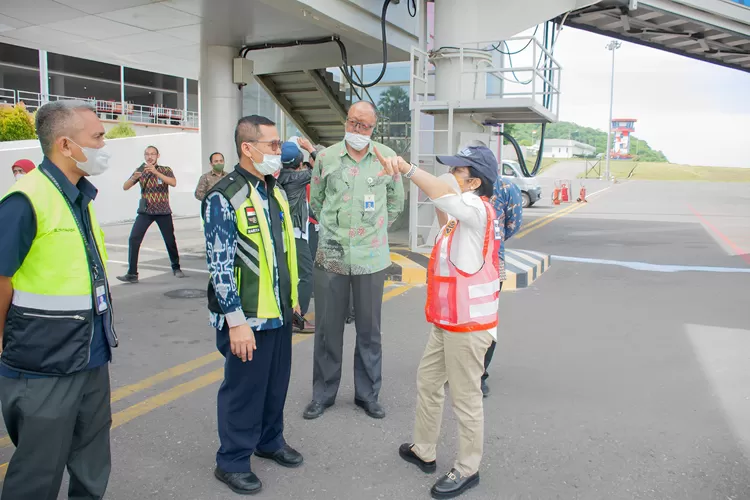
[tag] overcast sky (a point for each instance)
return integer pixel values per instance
(695, 112)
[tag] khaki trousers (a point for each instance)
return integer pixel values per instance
(456, 358)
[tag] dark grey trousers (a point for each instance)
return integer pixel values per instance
(57, 422)
(331, 308)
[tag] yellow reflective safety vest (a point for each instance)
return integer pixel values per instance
(50, 322)
(255, 268)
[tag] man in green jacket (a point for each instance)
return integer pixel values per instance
(355, 207)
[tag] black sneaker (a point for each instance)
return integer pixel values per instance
(178, 274)
(128, 278)
(485, 388)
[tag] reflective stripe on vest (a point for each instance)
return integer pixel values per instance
(458, 301)
(255, 253)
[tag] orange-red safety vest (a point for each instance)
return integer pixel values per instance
(461, 302)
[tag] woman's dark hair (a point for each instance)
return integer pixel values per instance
(487, 188)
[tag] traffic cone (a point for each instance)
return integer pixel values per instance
(564, 193)
(582, 195)
(556, 196)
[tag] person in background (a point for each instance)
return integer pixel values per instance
(462, 305)
(294, 179)
(56, 322)
(355, 206)
(252, 295)
(508, 205)
(21, 168)
(210, 178)
(155, 181)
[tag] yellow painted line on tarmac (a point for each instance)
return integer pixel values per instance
(411, 272)
(543, 221)
(149, 382)
(176, 392)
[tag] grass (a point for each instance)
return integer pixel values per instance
(673, 172)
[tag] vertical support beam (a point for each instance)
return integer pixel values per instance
(220, 102)
(43, 78)
(423, 34)
(184, 96)
(124, 109)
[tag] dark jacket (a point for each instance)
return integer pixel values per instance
(294, 183)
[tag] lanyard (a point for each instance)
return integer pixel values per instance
(89, 253)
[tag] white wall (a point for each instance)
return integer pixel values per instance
(180, 151)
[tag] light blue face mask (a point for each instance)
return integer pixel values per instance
(97, 160)
(270, 164)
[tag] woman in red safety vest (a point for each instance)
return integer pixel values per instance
(463, 288)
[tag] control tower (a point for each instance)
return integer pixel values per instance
(621, 130)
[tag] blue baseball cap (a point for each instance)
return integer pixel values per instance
(478, 157)
(291, 156)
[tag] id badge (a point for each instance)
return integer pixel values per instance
(498, 230)
(159, 181)
(369, 202)
(100, 296)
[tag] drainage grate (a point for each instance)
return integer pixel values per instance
(186, 293)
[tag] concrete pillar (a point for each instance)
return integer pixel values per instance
(220, 103)
(57, 85)
(122, 92)
(43, 77)
(158, 96)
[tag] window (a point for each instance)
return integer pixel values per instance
(508, 171)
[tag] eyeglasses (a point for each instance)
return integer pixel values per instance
(275, 144)
(359, 125)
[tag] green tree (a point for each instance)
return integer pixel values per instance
(16, 124)
(122, 129)
(393, 105)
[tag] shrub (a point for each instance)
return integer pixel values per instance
(122, 129)
(16, 124)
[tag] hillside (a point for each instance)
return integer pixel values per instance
(522, 132)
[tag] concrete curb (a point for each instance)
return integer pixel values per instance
(522, 267)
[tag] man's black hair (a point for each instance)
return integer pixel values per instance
(211, 156)
(248, 130)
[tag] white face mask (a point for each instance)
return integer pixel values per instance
(357, 142)
(270, 164)
(18, 176)
(97, 160)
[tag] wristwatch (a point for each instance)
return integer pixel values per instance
(411, 171)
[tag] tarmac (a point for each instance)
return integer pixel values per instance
(610, 381)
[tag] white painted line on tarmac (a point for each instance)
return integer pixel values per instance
(723, 356)
(644, 266)
(156, 250)
(157, 266)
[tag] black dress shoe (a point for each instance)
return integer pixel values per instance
(405, 452)
(285, 456)
(485, 389)
(372, 408)
(314, 410)
(242, 483)
(452, 484)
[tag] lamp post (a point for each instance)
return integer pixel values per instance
(613, 46)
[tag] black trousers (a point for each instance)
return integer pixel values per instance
(305, 271)
(490, 352)
(331, 308)
(58, 422)
(140, 226)
(251, 398)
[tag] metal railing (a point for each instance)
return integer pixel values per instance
(107, 109)
(538, 80)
